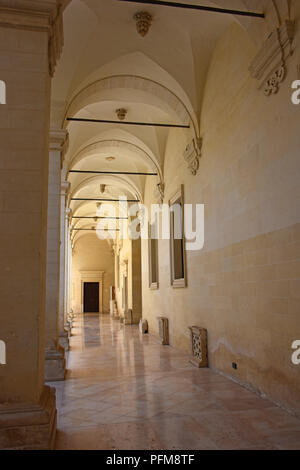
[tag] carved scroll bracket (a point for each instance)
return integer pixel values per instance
(269, 65)
(192, 155)
(159, 193)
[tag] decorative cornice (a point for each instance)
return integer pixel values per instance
(36, 15)
(269, 65)
(58, 139)
(192, 155)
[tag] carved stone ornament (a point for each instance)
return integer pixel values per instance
(272, 84)
(143, 326)
(143, 22)
(192, 155)
(163, 328)
(199, 346)
(269, 65)
(159, 193)
(121, 113)
(141, 216)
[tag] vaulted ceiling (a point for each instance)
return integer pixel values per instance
(159, 78)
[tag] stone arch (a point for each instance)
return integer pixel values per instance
(116, 180)
(83, 204)
(146, 156)
(150, 90)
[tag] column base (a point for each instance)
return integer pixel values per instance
(64, 340)
(55, 365)
(29, 426)
(69, 324)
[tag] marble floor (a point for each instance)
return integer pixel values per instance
(125, 391)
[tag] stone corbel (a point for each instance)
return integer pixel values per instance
(159, 193)
(64, 188)
(269, 65)
(192, 155)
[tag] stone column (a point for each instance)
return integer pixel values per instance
(136, 281)
(67, 270)
(30, 39)
(63, 333)
(69, 314)
(55, 354)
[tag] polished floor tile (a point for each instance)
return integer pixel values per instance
(126, 391)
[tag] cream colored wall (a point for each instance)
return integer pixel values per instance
(91, 254)
(244, 285)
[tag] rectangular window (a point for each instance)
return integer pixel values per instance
(153, 255)
(177, 242)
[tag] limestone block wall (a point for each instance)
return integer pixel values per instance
(243, 287)
(24, 130)
(91, 254)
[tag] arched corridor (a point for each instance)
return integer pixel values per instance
(150, 224)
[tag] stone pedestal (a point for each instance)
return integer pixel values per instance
(143, 326)
(163, 328)
(64, 340)
(55, 365)
(199, 346)
(29, 426)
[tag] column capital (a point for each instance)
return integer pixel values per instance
(59, 141)
(68, 214)
(64, 187)
(37, 15)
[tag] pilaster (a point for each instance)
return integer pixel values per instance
(55, 353)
